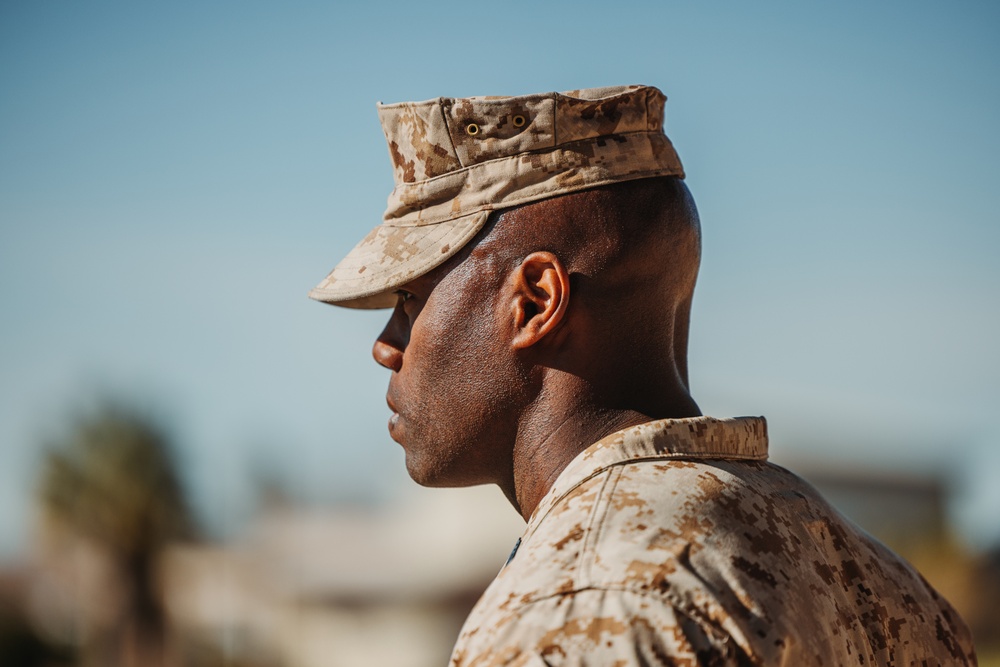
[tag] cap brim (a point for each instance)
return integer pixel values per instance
(391, 256)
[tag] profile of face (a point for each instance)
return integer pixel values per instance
(455, 380)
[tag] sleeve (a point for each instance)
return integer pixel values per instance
(591, 628)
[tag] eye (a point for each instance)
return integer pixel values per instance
(403, 295)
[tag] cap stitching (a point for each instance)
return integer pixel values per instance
(555, 120)
(544, 149)
(447, 126)
(495, 206)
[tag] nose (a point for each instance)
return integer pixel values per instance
(390, 344)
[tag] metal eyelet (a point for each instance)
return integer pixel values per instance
(519, 121)
(472, 129)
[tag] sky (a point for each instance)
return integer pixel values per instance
(175, 177)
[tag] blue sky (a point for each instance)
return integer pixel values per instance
(174, 178)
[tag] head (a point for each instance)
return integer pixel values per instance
(582, 298)
(539, 254)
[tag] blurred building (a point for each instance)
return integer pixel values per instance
(345, 587)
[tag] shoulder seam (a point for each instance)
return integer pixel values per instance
(592, 533)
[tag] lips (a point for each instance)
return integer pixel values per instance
(393, 418)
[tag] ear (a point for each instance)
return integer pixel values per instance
(540, 296)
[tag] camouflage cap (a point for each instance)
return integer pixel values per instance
(456, 160)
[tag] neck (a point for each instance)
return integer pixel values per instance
(563, 422)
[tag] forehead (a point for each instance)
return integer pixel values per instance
(471, 268)
(452, 277)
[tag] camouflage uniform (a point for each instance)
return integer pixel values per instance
(676, 543)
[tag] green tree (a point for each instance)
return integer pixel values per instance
(111, 482)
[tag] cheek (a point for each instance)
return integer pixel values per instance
(469, 374)
(466, 390)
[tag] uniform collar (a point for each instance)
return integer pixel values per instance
(742, 438)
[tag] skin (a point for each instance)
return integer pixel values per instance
(563, 322)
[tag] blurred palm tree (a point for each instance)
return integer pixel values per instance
(111, 483)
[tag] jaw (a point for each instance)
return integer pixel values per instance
(431, 475)
(437, 461)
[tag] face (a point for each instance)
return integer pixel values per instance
(455, 385)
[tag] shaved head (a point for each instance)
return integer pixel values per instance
(632, 251)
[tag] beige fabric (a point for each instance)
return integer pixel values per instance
(676, 543)
(456, 160)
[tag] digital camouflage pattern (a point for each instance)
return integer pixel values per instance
(676, 543)
(456, 160)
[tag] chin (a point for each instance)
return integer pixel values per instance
(428, 478)
(436, 476)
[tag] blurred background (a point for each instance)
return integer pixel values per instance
(194, 462)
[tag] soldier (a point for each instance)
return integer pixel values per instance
(540, 255)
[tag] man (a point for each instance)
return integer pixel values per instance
(540, 254)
